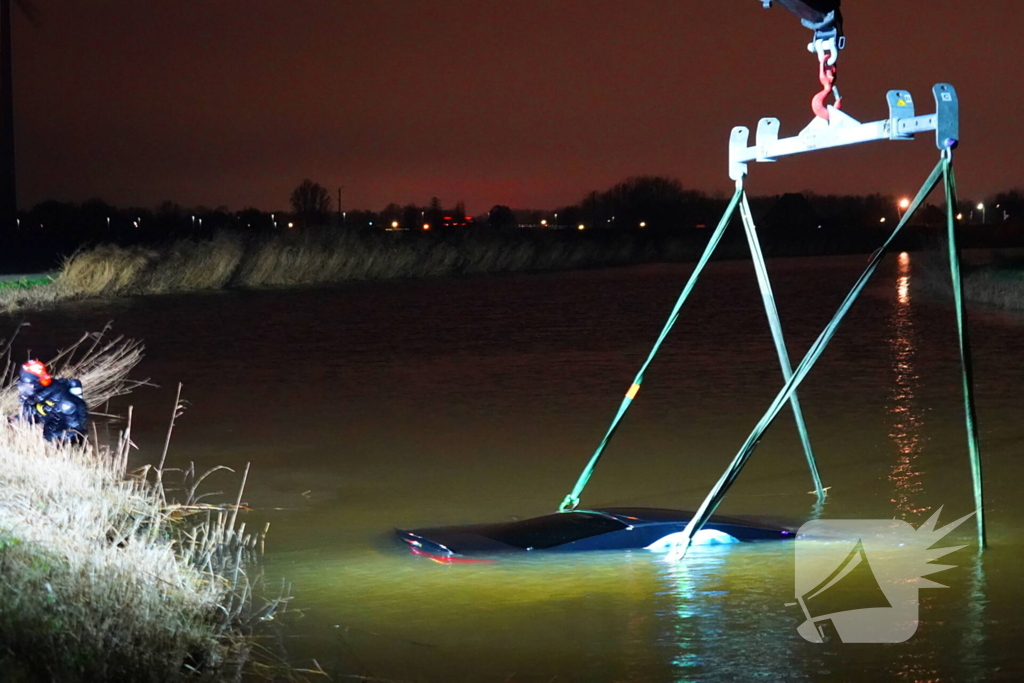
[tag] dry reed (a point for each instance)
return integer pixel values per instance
(314, 257)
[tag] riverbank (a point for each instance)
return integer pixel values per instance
(102, 577)
(991, 278)
(997, 285)
(235, 260)
(317, 256)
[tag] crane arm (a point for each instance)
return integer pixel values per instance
(821, 16)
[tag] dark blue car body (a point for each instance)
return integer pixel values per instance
(576, 531)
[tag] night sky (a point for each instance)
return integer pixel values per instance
(527, 103)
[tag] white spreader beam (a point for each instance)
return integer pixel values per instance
(841, 129)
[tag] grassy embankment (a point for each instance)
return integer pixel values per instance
(230, 260)
(993, 281)
(998, 285)
(102, 577)
(317, 256)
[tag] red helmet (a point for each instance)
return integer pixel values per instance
(35, 371)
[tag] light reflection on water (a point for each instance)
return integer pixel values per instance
(462, 400)
(907, 431)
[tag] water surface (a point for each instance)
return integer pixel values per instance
(369, 406)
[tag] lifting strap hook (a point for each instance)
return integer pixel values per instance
(569, 503)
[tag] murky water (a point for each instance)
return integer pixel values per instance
(369, 406)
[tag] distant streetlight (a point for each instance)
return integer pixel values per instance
(959, 216)
(108, 221)
(291, 225)
(903, 206)
(581, 226)
(981, 207)
(882, 219)
(426, 226)
(394, 225)
(544, 222)
(643, 224)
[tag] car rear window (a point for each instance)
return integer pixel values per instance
(552, 530)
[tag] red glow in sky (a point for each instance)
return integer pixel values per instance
(529, 103)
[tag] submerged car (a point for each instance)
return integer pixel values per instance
(581, 530)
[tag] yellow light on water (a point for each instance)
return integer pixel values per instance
(903, 282)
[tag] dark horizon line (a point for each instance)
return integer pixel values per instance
(222, 208)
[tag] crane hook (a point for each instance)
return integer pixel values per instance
(827, 77)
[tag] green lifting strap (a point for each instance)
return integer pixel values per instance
(967, 369)
(780, 343)
(739, 199)
(717, 493)
(573, 499)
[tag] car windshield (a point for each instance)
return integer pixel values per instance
(553, 530)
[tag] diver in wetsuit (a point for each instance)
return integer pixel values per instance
(57, 403)
(68, 417)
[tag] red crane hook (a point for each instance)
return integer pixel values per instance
(827, 76)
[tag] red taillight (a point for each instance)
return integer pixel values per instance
(446, 559)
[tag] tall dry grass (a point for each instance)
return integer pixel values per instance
(322, 256)
(103, 579)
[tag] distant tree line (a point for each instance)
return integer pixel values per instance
(653, 204)
(662, 204)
